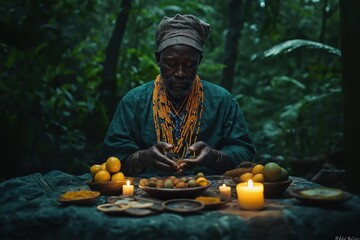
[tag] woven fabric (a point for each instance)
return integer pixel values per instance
(181, 29)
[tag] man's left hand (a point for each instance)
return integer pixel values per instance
(206, 156)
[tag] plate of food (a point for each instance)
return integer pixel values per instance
(80, 198)
(320, 196)
(212, 202)
(184, 187)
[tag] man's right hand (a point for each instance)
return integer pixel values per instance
(153, 157)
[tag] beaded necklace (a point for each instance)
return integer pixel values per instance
(179, 128)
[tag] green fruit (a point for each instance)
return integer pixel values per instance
(191, 183)
(200, 174)
(284, 175)
(168, 183)
(272, 172)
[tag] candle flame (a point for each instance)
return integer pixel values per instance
(250, 183)
(224, 185)
(128, 183)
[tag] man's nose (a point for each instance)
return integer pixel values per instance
(180, 73)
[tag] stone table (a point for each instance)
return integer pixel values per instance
(29, 210)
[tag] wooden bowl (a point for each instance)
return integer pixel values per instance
(109, 187)
(271, 189)
(172, 193)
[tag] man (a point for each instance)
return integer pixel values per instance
(179, 123)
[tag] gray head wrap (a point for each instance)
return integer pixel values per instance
(181, 29)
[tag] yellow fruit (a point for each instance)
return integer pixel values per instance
(258, 178)
(102, 176)
(272, 172)
(257, 169)
(94, 169)
(103, 166)
(113, 164)
(201, 181)
(246, 176)
(118, 176)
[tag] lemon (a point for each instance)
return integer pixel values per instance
(102, 176)
(272, 172)
(257, 169)
(201, 181)
(103, 166)
(258, 178)
(94, 169)
(117, 176)
(246, 176)
(113, 164)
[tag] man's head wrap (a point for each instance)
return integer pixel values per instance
(181, 29)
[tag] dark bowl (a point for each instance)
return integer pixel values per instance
(109, 187)
(171, 193)
(271, 189)
(275, 189)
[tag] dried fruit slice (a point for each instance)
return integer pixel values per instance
(323, 193)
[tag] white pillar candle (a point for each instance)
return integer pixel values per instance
(128, 190)
(225, 192)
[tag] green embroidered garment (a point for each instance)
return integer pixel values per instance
(222, 126)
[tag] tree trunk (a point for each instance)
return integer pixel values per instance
(236, 23)
(108, 85)
(350, 47)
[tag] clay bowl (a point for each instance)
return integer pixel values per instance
(109, 187)
(172, 193)
(271, 189)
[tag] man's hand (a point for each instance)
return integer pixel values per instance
(153, 157)
(206, 156)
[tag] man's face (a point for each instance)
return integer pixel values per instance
(178, 67)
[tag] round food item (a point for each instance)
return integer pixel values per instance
(117, 176)
(323, 193)
(94, 169)
(102, 176)
(272, 172)
(113, 165)
(201, 181)
(168, 183)
(258, 178)
(143, 182)
(180, 185)
(257, 169)
(103, 166)
(208, 200)
(191, 183)
(246, 177)
(284, 175)
(200, 174)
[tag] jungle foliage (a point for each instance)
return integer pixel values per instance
(286, 74)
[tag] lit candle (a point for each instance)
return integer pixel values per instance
(250, 195)
(225, 192)
(128, 190)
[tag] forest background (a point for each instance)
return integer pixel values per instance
(65, 65)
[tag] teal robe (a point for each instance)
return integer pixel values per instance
(222, 127)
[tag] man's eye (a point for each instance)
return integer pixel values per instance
(190, 65)
(170, 64)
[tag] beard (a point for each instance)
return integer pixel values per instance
(177, 89)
